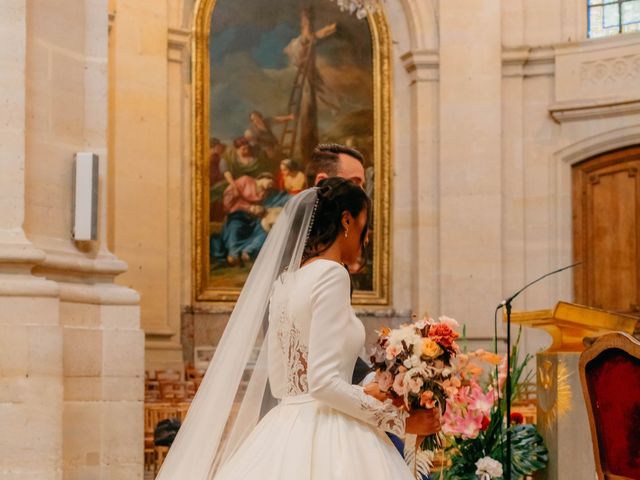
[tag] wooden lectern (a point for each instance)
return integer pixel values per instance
(561, 412)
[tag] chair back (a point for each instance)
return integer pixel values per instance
(610, 376)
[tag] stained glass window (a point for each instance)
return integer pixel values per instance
(610, 17)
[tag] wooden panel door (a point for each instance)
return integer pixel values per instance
(606, 226)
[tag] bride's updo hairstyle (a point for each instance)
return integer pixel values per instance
(335, 196)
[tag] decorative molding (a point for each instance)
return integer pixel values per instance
(597, 44)
(569, 111)
(528, 61)
(98, 294)
(179, 41)
(604, 72)
(597, 145)
(424, 64)
(112, 19)
(610, 71)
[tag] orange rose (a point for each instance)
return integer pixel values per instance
(431, 349)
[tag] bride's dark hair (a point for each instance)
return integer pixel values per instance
(335, 196)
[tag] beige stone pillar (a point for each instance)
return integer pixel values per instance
(147, 180)
(421, 215)
(470, 161)
(93, 340)
(30, 335)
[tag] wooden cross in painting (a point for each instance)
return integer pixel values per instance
(308, 86)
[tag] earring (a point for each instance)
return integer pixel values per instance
(346, 233)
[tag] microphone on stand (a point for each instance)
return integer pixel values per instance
(506, 303)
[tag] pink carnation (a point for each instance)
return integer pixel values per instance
(398, 384)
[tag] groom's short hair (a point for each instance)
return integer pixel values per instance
(325, 158)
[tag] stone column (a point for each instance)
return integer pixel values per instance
(146, 193)
(470, 161)
(30, 334)
(421, 216)
(102, 344)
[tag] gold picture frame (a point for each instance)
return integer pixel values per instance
(206, 296)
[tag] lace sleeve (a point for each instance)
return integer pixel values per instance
(330, 322)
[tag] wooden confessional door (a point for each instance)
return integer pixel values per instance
(606, 226)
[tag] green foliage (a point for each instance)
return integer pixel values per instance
(528, 452)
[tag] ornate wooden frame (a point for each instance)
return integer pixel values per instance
(202, 293)
(618, 340)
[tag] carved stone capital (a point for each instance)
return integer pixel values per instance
(179, 41)
(424, 65)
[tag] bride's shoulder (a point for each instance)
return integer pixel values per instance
(323, 274)
(323, 266)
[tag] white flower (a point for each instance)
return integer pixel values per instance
(407, 334)
(415, 360)
(421, 323)
(487, 467)
(451, 322)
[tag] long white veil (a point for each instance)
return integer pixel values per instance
(234, 393)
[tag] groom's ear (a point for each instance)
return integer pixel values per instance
(319, 177)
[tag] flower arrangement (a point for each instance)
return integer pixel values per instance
(420, 365)
(474, 421)
(413, 366)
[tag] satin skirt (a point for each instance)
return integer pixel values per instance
(303, 439)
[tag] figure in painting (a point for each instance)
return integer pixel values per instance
(261, 134)
(243, 160)
(239, 161)
(302, 54)
(242, 235)
(291, 179)
(216, 151)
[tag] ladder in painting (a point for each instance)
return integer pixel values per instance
(290, 126)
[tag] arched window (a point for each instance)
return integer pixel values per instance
(610, 17)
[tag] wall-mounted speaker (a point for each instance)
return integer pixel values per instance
(85, 202)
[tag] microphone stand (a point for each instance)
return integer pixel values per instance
(507, 306)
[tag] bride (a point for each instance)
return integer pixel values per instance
(276, 402)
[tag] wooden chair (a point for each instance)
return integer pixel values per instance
(173, 391)
(610, 376)
(151, 391)
(154, 413)
(168, 376)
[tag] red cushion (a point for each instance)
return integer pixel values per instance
(614, 386)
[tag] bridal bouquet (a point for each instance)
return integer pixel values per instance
(413, 366)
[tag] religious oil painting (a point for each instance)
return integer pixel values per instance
(273, 80)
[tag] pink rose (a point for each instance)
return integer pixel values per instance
(398, 384)
(393, 351)
(415, 384)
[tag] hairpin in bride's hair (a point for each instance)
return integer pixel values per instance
(313, 215)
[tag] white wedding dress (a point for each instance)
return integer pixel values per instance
(324, 428)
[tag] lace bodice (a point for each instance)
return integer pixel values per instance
(314, 340)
